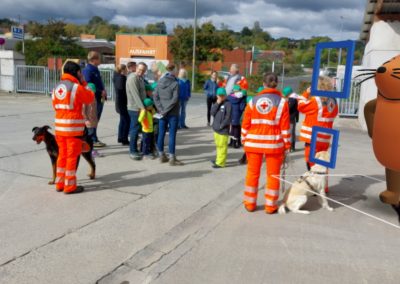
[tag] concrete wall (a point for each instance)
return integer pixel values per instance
(8, 60)
(384, 43)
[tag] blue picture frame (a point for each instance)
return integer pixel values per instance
(334, 147)
(349, 45)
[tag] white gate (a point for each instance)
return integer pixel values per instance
(31, 79)
(39, 79)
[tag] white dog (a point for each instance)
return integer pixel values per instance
(314, 180)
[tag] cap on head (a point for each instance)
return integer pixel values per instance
(287, 91)
(92, 87)
(148, 87)
(148, 102)
(260, 89)
(236, 88)
(221, 92)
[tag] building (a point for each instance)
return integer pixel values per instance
(381, 32)
(105, 48)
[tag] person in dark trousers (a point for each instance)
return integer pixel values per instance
(166, 100)
(184, 96)
(136, 93)
(221, 111)
(294, 115)
(210, 90)
(238, 101)
(91, 74)
(121, 103)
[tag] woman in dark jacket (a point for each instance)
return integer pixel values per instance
(121, 103)
(210, 90)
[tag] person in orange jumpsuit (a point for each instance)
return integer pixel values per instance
(68, 97)
(319, 111)
(265, 132)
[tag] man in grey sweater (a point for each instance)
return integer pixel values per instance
(136, 93)
(166, 100)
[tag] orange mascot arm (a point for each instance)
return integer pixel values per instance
(369, 113)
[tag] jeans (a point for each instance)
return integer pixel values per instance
(147, 143)
(172, 122)
(133, 131)
(92, 132)
(182, 113)
(124, 123)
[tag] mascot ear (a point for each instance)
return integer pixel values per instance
(33, 129)
(46, 127)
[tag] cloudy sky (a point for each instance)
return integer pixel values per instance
(282, 18)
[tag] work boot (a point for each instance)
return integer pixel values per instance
(231, 142)
(236, 144)
(250, 207)
(78, 189)
(243, 160)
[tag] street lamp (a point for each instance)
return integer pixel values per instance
(194, 44)
(340, 38)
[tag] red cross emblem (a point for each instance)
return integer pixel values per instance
(61, 92)
(264, 105)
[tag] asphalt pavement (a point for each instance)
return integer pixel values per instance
(146, 222)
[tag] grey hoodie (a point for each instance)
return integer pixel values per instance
(166, 95)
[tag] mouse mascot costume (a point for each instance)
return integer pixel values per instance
(381, 115)
(68, 97)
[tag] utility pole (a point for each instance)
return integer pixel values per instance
(194, 44)
(340, 38)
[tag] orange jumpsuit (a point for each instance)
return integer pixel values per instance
(68, 97)
(265, 132)
(318, 113)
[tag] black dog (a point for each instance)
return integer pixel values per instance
(41, 134)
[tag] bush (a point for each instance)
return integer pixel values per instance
(255, 81)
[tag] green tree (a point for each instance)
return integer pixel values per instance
(53, 41)
(73, 30)
(157, 28)
(209, 43)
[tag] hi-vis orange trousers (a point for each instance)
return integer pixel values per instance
(254, 163)
(69, 149)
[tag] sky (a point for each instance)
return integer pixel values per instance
(338, 19)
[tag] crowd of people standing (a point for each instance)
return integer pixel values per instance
(264, 123)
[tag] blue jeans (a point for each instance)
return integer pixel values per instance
(133, 131)
(92, 132)
(182, 113)
(172, 122)
(123, 127)
(147, 143)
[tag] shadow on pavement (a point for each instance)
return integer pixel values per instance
(117, 180)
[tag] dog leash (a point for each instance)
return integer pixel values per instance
(345, 205)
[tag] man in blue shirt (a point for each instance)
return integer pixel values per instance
(92, 75)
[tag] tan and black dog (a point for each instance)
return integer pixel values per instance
(41, 134)
(382, 115)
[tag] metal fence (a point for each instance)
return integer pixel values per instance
(349, 107)
(41, 80)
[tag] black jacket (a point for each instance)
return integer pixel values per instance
(166, 95)
(121, 100)
(222, 114)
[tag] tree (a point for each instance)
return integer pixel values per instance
(73, 30)
(209, 43)
(246, 32)
(157, 28)
(53, 41)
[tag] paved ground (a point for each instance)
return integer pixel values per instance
(144, 222)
